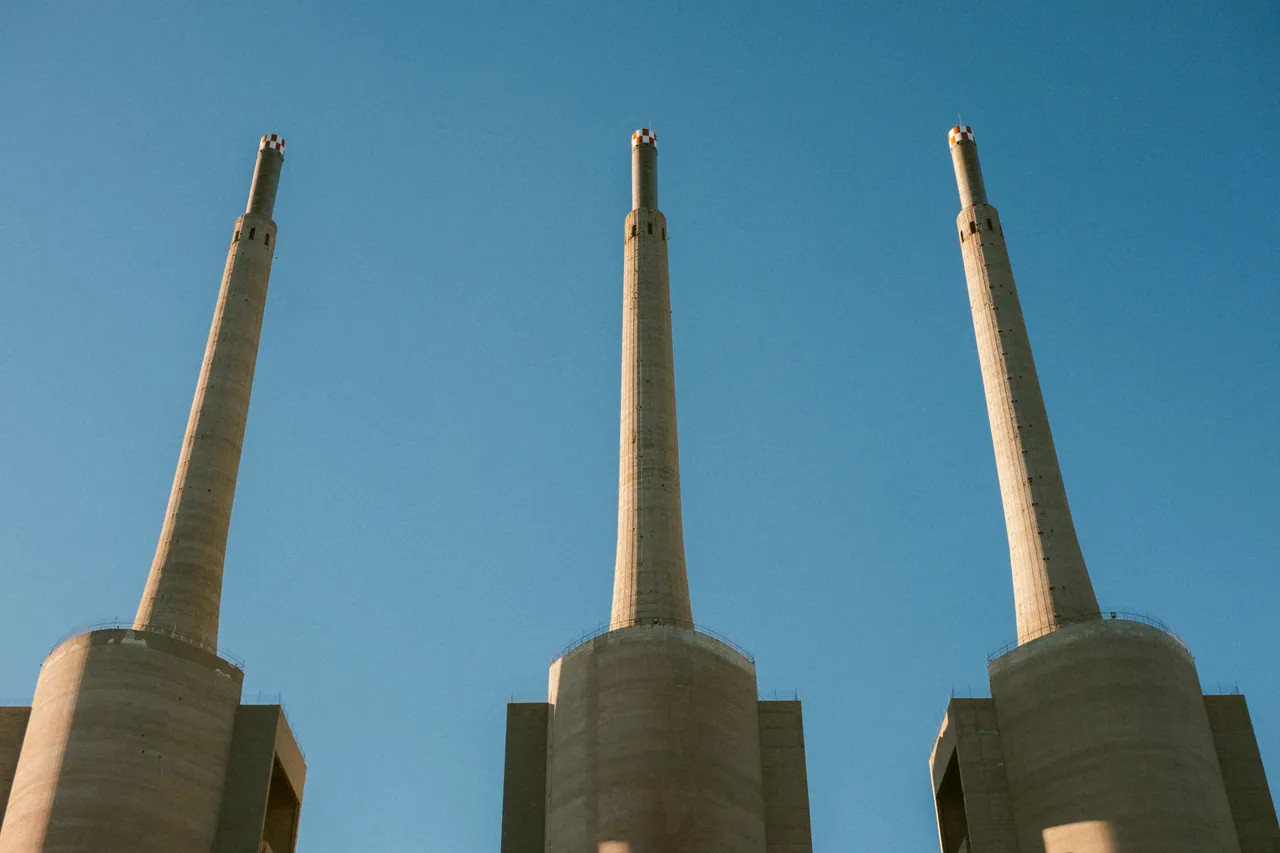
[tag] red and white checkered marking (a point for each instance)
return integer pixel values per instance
(960, 131)
(274, 141)
(644, 136)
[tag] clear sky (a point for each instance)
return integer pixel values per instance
(426, 507)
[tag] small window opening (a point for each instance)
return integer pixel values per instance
(236, 239)
(664, 233)
(650, 227)
(961, 236)
(973, 229)
(252, 231)
(266, 239)
(989, 228)
(633, 230)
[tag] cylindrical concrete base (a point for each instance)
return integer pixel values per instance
(126, 748)
(1107, 745)
(654, 746)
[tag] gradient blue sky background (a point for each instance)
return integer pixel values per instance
(427, 499)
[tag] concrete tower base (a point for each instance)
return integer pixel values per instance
(126, 748)
(1097, 739)
(654, 741)
(129, 744)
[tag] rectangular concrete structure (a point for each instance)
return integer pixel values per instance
(524, 778)
(785, 778)
(266, 775)
(970, 790)
(1252, 807)
(13, 725)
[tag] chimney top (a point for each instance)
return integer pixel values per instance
(273, 141)
(644, 136)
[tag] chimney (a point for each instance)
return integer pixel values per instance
(650, 585)
(1051, 585)
(184, 589)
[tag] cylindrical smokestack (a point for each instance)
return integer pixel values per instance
(184, 589)
(650, 585)
(266, 176)
(644, 169)
(1051, 586)
(964, 157)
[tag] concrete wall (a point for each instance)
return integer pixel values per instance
(13, 725)
(1243, 775)
(1107, 744)
(654, 746)
(971, 794)
(785, 778)
(266, 777)
(524, 778)
(126, 748)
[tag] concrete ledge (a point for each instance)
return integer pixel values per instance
(158, 642)
(1085, 632)
(673, 634)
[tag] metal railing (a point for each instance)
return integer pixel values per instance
(1105, 615)
(123, 625)
(645, 623)
(267, 697)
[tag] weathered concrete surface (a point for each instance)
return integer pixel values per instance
(1105, 721)
(524, 778)
(184, 590)
(1050, 582)
(13, 725)
(785, 778)
(971, 794)
(265, 781)
(655, 745)
(1243, 775)
(650, 581)
(126, 748)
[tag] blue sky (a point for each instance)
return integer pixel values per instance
(426, 504)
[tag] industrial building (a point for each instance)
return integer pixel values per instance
(653, 738)
(1096, 737)
(136, 739)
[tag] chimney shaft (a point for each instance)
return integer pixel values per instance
(266, 176)
(184, 589)
(650, 583)
(964, 159)
(1051, 584)
(644, 169)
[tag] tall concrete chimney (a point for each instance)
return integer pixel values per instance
(1051, 585)
(1096, 737)
(184, 589)
(136, 738)
(653, 738)
(650, 584)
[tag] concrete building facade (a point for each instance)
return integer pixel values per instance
(653, 738)
(1097, 737)
(136, 738)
